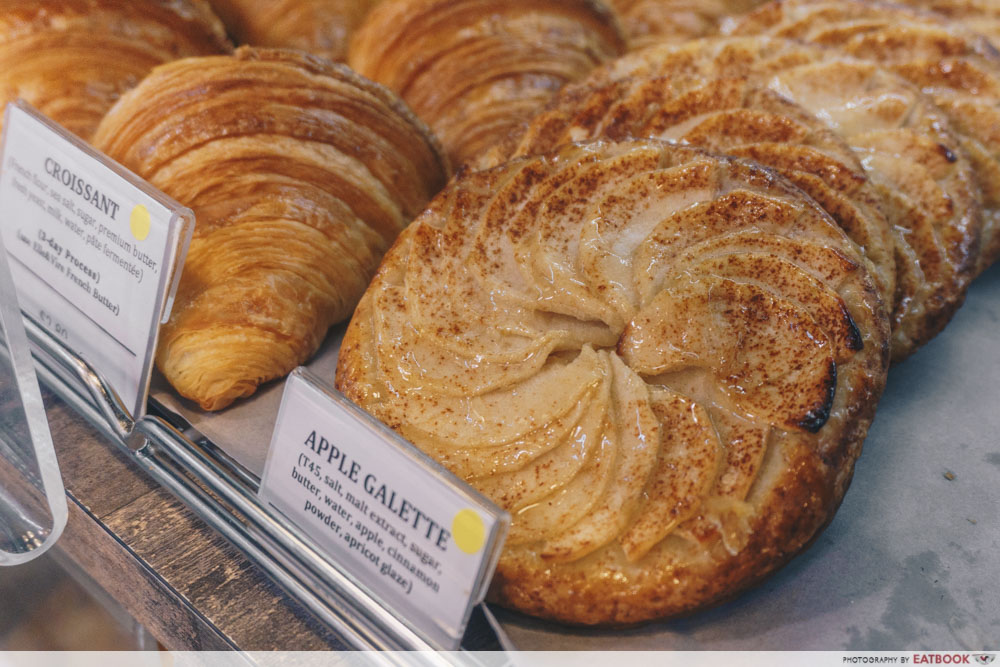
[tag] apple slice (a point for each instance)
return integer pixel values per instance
(510, 217)
(418, 363)
(639, 439)
(825, 263)
(477, 462)
(571, 503)
(736, 127)
(549, 255)
(501, 416)
(621, 222)
(769, 355)
(848, 195)
(791, 283)
(739, 210)
(517, 489)
(916, 165)
(745, 443)
(685, 472)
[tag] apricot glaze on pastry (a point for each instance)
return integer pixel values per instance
(320, 27)
(957, 68)
(473, 69)
(300, 173)
(661, 362)
(728, 116)
(902, 139)
(72, 59)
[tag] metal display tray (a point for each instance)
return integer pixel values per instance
(911, 561)
(224, 494)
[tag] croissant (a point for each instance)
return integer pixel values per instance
(661, 362)
(926, 184)
(72, 59)
(958, 69)
(474, 69)
(648, 22)
(321, 27)
(300, 174)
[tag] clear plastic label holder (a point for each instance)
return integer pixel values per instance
(94, 250)
(214, 487)
(384, 506)
(32, 498)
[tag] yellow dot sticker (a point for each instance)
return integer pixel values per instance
(468, 531)
(138, 222)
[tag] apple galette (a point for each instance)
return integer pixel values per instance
(661, 362)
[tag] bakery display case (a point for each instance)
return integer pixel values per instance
(580, 331)
(906, 563)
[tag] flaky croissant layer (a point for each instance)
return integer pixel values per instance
(72, 59)
(300, 174)
(474, 69)
(320, 27)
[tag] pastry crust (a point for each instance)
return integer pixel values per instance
(72, 59)
(925, 180)
(474, 69)
(320, 27)
(300, 174)
(662, 362)
(957, 68)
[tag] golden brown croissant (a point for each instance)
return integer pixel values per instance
(661, 362)
(321, 27)
(474, 69)
(957, 68)
(649, 22)
(926, 183)
(72, 59)
(300, 174)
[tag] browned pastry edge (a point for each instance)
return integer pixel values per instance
(605, 603)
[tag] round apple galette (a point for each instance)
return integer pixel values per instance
(661, 362)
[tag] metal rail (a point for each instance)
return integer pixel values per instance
(225, 499)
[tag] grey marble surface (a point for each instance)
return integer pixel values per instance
(912, 559)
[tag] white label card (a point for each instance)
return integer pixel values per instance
(95, 251)
(418, 538)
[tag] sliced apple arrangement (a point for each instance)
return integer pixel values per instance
(956, 67)
(872, 149)
(660, 361)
